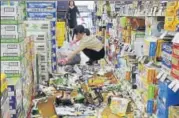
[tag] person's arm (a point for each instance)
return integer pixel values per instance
(77, 11)
(79, 49)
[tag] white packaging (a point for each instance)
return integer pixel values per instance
(42, 58)
(5, 109)
(12, 13)
(40, 48)
(43, 77)
(12, 49)
(40, 37)
(12, 38)
(39, 26)
(15, 93)
(43, 68)
(12, 67)
(9, 10)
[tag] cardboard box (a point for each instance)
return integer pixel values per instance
(173, 112)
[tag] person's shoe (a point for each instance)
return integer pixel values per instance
(90, 62)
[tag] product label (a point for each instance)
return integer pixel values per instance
(41, 4)
(167, 47)
(41, 16)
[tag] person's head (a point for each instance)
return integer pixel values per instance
(80, 31)
(71, 3)
(87, 31)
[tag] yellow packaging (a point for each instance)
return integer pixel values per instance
(176, 23)
(170, 23)
(3, 82)
(172, 5)
(60, 24)
(171, 9)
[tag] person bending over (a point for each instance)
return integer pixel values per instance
(90, 45)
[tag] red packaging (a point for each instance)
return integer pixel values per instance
(175, 62)
(176, 49)
(175, 73)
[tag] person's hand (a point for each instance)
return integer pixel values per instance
(63, 61)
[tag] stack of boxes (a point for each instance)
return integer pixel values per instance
(45, 11)
(166, 57)
(171, 16)
(12, 52)
(175, 61)
(40, 31)
(5, 113)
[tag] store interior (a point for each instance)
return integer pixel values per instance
(89, 59)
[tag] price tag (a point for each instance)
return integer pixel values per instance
(163, 77)
(176, 87)
(140, 59)
(160, 75)
(163, 35)
(172, 84)
(176, 38)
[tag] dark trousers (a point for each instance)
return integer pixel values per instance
(94, 55)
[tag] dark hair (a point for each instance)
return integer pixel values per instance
(87, 31)
(71, 1)
(80, 29)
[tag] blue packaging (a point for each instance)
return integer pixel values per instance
(41, 5)
(54, 59)
(166, 62)
(53, 24)
(53, 42)
(167, 96)
(53, 50)
(150, 106)
(53, 33)
(152, 50)
(9, 3)
(41, 16)
(167, 47)
(162, 111)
